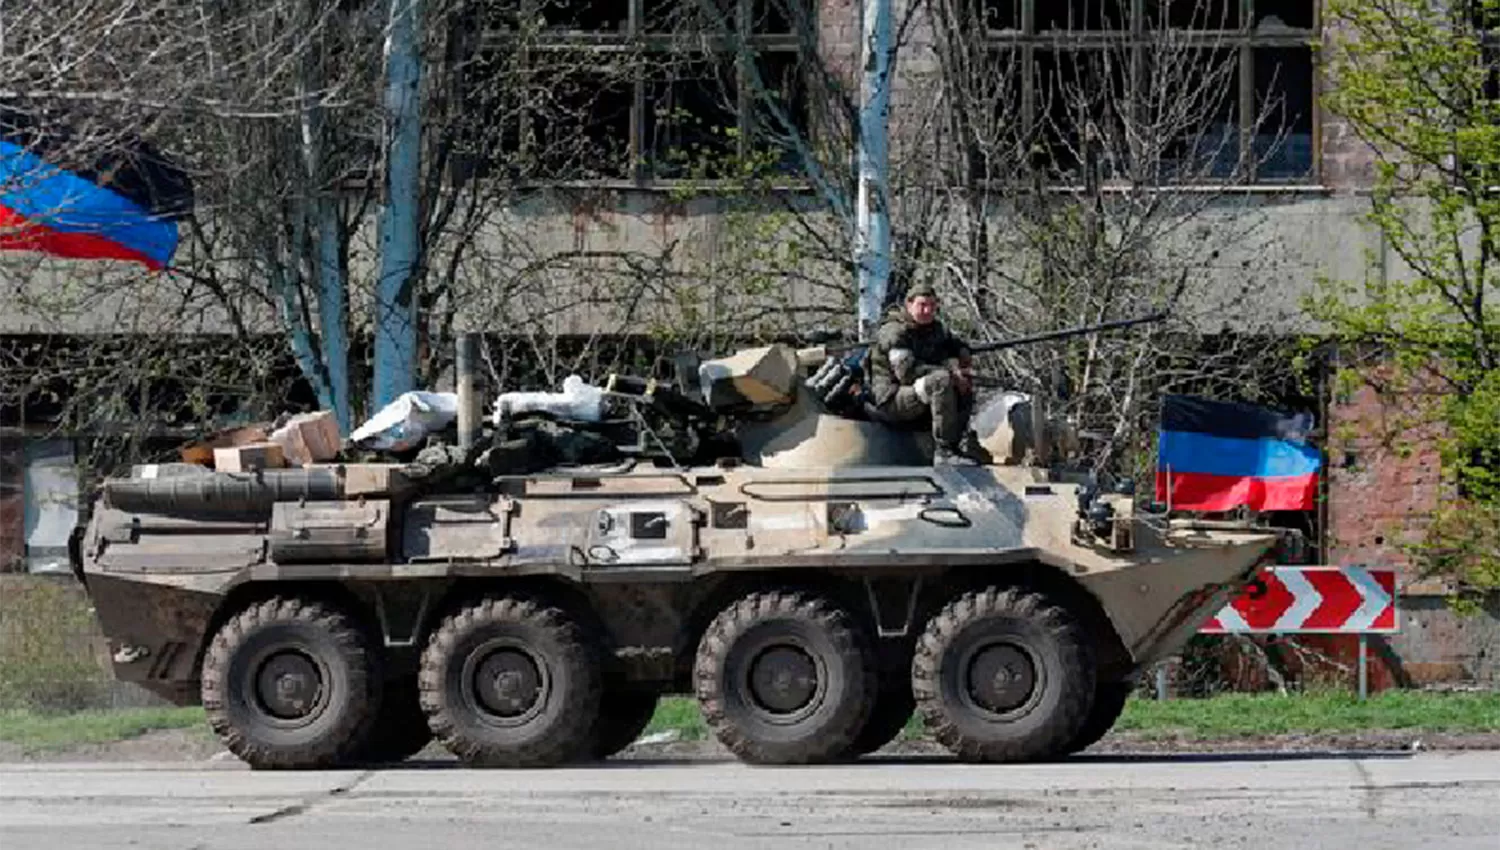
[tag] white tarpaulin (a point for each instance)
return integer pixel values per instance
(51, 488)
(405, 423)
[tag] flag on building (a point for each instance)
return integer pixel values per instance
(1218, 455)
(70, 198)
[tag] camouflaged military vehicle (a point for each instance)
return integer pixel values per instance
(526, 600)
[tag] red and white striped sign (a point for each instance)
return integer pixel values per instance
(1312, 600)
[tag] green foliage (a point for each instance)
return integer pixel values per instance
(35, 733)
(1410, 78)
(680, 715)
(1230, 714)
(1271, 714)
(47, 654)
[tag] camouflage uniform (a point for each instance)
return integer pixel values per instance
(909, 377)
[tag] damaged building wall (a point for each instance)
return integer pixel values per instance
(630, 252)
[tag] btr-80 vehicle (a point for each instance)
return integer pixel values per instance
(527, 595)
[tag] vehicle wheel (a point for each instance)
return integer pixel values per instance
(1109, 702)
(785, 678)
(289, 683)
(401, 729)
(624, 714)
(511, 682)
(1003, 676)
(893, 709)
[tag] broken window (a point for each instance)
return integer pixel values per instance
(1001, 15)
(1106, 15)
(991, 129)
(773, 17)
(691, 122)
(767, 17)
(1484, 16)
(662, 99)
(578, 128)
(1279, 15)
(1079, 98)
(1201, 15)
(595, 16)
(50, 490)
(1283, 93)
(1162, 97)
(777, 95)
(684, 16)
(1195, 114)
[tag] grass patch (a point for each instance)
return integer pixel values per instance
(680, 715)
(1271, 714)
(1232, 714)
(50, 647)
(34, 732)
(1215, 717)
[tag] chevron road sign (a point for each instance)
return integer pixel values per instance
(1312, 600)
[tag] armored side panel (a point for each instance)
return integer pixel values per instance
(641, 530)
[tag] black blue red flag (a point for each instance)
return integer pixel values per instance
(1219, 455)
(121, 202)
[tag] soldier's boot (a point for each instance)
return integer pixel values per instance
(970, 447)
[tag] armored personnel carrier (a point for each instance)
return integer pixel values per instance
(808, 576)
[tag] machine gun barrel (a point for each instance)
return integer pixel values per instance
(980, 348)
(817, 355)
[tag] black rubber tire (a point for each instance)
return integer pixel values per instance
(893, 710)
(401, 729)
(624, 714)
(335, 650)
(1060, 694)
(557, 728)
(1109, 703)
(825, 727)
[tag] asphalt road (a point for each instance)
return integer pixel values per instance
(1443, 800)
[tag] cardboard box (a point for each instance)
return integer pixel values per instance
(368, 479)
(202, 452)
(249, 458)
(309, 438)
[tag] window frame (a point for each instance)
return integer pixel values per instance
(1244, 39)
(642, 168)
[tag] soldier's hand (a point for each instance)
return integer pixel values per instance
(963, 378)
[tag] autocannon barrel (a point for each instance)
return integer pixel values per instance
(980, 348)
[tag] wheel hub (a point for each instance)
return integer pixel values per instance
(1001, 678)
(783, 679)
(288, 685)
(508, 682)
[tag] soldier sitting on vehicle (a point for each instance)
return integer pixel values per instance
(918, 367)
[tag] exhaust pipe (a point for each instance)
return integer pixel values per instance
(468, 412)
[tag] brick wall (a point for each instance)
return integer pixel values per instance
(1383, 480)
(1381, 495)
(1348, 162)
(838, 39)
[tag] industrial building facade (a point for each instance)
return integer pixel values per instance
(1308, 189)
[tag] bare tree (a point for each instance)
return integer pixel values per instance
(275, 112)
(1080, 173)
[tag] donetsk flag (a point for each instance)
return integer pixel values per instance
(121, 204)
(1221, 455)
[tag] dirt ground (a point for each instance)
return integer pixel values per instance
(190, 745)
